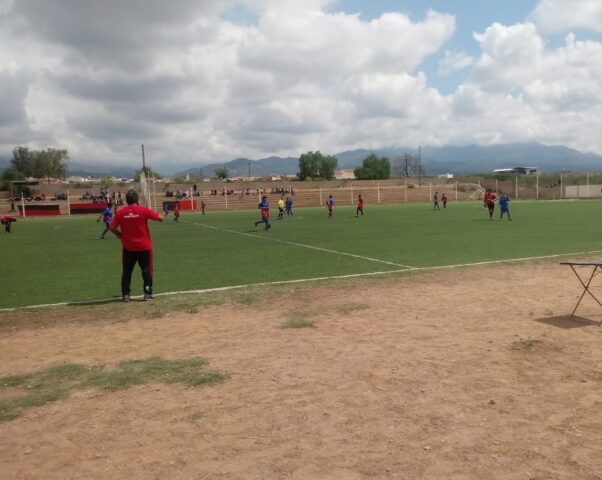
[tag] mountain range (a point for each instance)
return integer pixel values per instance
(459, 160)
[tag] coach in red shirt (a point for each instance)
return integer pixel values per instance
(137, 246)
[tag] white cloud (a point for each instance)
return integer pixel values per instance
(553, 16)
(454, 61)
(194, 87)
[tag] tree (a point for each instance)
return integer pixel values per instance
(374, 168)
(222, 172)
(22, 160)
(148, 172)
(407, 166)
(314, 164)
(51, 162)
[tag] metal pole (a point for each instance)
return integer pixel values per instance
(320, 196)
(68, 204)
(496, 191)
(23, 205)
(430, 191)
(249, 169)
(406, 190)
(419, 165)
(561, 195)
(516, 183)
(537, 187)
(587, 182)
(351, 190)
(456, 191)
(378, 188)
(143, 160)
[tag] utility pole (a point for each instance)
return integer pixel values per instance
(143, 161)
(201, 172)
(419, 165)
(249, 169)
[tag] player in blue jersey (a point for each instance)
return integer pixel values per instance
(330, 207)
(504, 206)
(289, 207)
(264, 206)
(107, 218)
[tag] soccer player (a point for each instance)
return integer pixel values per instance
(436, 201)
(489, 202)
(203, 206)
(130, 224)
(330, 206)
(444, 200)
(107, 218)
(166, 208)
(504, 206)
(264, 206)
(281, 205)
(289, 207)
(360, 206)
(176, 212)
(7, 221)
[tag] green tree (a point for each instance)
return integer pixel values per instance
(314, 164)
(374, 168)
(10, 174)
(22, 161)
(51, 162)
(222, 172)
(148, 172)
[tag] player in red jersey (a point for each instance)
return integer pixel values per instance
(7, 221)
(203, 207)
(130, 224)
(489, 202)
(176, 212)
(444, 200)
(360, 206)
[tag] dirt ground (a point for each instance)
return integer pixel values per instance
(461, 374)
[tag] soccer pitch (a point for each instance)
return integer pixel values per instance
(63, 260)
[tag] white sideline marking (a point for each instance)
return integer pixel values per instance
(301, 280)
(302, 245)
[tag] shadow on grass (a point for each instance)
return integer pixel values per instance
(566, 322)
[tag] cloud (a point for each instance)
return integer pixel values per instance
(556, 16)
(196, 86)
(454, 61)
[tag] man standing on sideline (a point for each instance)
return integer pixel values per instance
(289, 207)
(136, 242)
(436, 201)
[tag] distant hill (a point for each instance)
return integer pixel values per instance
(98, 171)
(459, 160)
(240, 167)
(482, 159)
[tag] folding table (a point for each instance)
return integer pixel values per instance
(596, 266)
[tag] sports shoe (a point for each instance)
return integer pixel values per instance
(148, 296)
(125, 298)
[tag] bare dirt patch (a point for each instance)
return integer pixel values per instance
(463, 374)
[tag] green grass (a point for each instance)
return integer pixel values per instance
(55, 383)
(299, 319)
(63, 260)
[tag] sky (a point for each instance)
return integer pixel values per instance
(208, 81)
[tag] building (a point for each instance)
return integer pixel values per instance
(344, 174)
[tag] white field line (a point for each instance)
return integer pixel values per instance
(304, 280)
(302, 245)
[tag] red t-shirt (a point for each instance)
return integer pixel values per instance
(133, 220)
(489, 198)
(360, 203)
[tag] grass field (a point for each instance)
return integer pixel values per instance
(63, 260)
